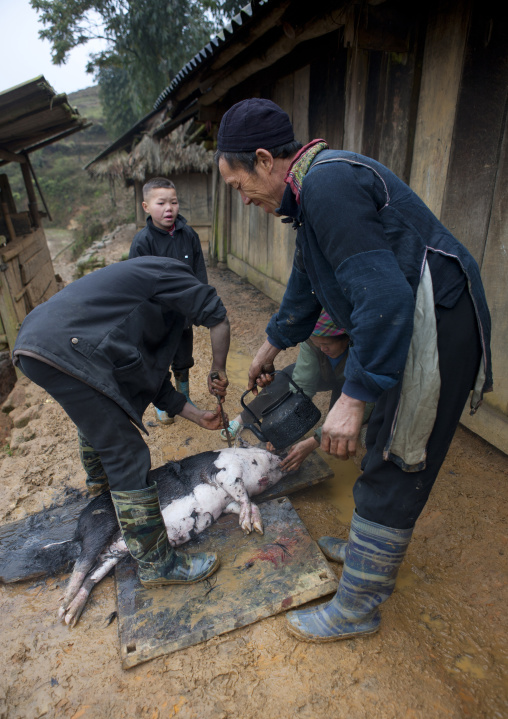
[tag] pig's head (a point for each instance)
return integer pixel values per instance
(259, 468)
(265, 468)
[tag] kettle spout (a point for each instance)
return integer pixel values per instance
(256, 431)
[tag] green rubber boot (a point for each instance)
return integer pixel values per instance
(96, 478)
(144, 532)
(374, 554)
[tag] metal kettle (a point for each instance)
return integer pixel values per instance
(286, 420)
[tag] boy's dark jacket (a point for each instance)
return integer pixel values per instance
(117, 330)
(184, 245)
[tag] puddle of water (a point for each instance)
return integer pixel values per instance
(457, 647)
(406, 578)
(468, 665)
(238, 366)
(338, 490)
(435, 623)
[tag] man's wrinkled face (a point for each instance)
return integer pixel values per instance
(262, 187)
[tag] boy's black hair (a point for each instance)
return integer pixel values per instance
(155, 183)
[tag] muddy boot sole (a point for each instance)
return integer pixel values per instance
(324, 640)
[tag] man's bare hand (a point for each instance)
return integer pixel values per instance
(208, 419)
(342, 427)
(218, 385)
(298, 453)
(261, 369)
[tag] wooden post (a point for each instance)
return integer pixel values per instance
(140, 214)
(8, 315)
(8, 222)
(33, 207)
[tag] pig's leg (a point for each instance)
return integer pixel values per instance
(82, 567)
(71, 610)
(98, 533)
(257, 522)
(229, 477)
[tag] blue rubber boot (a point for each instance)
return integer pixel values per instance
(333, 548)
(183, 387)
(233, 428)
(374, 554)
(163, 417)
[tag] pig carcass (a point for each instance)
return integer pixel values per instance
(193, 493)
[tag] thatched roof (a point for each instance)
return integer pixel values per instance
(168, 156)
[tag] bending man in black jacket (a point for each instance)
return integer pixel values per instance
(101, 348)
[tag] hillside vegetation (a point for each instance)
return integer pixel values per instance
(77, 203)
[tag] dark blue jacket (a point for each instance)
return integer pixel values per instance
(363, 237)
(117, 329)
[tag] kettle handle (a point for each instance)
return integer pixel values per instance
(277, 371)
(298, 389)
(256, 419)
(246, 406)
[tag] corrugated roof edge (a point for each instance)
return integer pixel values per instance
(210, 49)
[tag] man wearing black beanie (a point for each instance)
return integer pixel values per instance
(409, 295)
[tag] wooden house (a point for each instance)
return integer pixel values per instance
(32, 116)
(150, 150)
(420, 86)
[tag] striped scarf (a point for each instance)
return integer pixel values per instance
(300, 165)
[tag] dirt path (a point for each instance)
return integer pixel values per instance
(441, 650)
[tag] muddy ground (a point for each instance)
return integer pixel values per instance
(441, 651)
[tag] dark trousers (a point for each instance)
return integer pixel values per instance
(183, 359)
(384, 493)
(107, 428)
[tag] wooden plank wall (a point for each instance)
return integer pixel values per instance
(27, 279)
(434, 113)
(194, 190)
(474, 202)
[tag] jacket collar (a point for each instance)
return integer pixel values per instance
(179, 223)
(290, 205)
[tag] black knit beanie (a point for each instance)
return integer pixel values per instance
(252, 124)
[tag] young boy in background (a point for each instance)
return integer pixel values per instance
(167, 234)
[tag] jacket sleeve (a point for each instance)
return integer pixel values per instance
(352, 241)
(299, 309)
(179, 290)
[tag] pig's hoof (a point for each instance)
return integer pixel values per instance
(246, 518)
(73, 611)
(257, 522)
